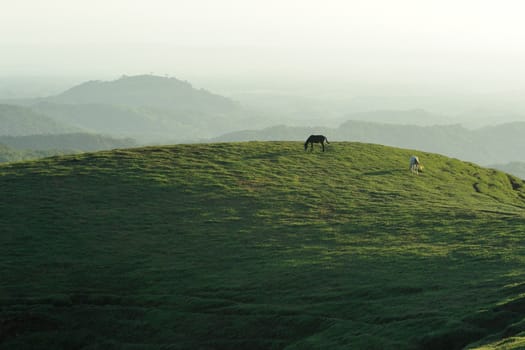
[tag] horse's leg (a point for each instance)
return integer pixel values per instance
(311, 146)
(322, 144)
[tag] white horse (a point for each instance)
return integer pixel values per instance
(415, 166)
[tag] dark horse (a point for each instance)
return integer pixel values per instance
(315, 139)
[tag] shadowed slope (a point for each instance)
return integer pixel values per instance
(260, 246)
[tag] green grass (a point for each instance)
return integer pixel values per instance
(260, 246)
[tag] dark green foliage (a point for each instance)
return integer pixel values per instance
(259, 246)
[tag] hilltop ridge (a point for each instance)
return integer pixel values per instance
(145, 90)
(260, 245)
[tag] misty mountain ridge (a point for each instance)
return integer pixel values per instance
(163, 110)
(10, 154)
(488, 145)
(145, 90)
(472, 111)
(418, 116)
(332, 111)
(71, 142)
(106, 118)
(26, 134)
(21, 121)
(149, 108)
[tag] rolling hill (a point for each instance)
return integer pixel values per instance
(260, 245)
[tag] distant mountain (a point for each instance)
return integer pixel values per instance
(146, 90)
(145, 107)
(489, 145)
(66, 143)
(505, 141)
(26, 134)
(419, 117)
(115, 119)
(450, 140)
(20, 121)
(274, 133)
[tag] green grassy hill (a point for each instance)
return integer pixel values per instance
(260, 246)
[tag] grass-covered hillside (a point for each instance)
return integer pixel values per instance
(260, 246)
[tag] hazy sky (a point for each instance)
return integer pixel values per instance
(469, 44)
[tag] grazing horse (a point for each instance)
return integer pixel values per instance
(415, 166)
(315, 139)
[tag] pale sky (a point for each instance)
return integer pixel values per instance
(395, 41)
